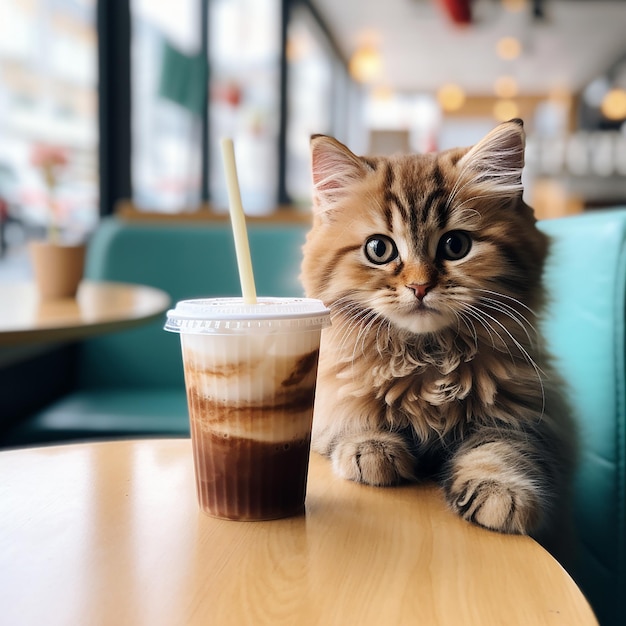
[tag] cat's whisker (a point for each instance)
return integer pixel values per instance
(462, 183)
(362, 334)
(349, 317)
(512, 314)
(469, 324)
(361, 338)
(504, 295)
(466, 215)
(522, 350)
(348, 330)
(480, 196)
(344, 321)
(471, 201)
(476, 314)
(511, 311)
(461, 317)
(459, 185)
(386, 325)
(492, 321)
(377, 323)
(389, 330)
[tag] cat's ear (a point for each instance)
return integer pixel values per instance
(334, 168)
(496, 162)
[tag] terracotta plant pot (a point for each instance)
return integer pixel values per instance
(58, 268)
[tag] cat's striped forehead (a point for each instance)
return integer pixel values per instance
(415, 193)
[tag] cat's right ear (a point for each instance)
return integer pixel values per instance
(495, 163)
(334, 168)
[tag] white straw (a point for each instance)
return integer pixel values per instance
(238, 220)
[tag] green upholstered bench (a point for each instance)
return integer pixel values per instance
(131, 383)
(585, 329)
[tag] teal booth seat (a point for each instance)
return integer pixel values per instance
(585, 329)
(131, 383)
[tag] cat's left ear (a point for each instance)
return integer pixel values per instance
(497, 161)
(335, 168)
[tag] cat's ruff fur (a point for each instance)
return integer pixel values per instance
(434, 363)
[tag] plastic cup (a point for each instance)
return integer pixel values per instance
(250, 374)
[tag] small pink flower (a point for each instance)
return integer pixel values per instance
(50, 159)
(48, 156)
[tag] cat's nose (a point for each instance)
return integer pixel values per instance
(420, 289)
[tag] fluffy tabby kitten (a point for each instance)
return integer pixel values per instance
(434, 365)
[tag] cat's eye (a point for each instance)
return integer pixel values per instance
(380, 249)
(454, 245)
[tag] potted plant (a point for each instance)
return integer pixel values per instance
(57, 265)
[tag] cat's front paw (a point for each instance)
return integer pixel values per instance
(374, 458)
(487, 488)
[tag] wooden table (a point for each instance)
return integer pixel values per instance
(99, 307)
(110, 534)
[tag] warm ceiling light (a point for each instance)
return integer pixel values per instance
(451, 97)
(514, 6)
(382, 93)
(613, 105)
(366, 64)
(508, 48)
(505, 87)
(560, 94)
(504, 110)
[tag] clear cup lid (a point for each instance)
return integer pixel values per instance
(215, 315)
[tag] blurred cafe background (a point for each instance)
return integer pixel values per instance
(134, 95)
(111, 116)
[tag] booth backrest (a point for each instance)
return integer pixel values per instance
(187, 260)
(585, 328)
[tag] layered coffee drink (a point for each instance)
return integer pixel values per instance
(251, 389)
(251, 408)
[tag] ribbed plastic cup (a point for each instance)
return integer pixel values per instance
(250, 373)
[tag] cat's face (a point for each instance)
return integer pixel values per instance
(424, 242)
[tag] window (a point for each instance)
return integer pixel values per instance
(168, 83)
(192, 88)
(244, 52)
(48, 76)
(310, 103)
(199, 70)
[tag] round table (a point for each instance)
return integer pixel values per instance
(99, 307)
(110, 533)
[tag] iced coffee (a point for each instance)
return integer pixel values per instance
(250, 374)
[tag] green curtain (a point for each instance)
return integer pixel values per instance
(184, 79)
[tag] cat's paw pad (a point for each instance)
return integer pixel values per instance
(492, 485)
(488, 504)
(373, 459)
